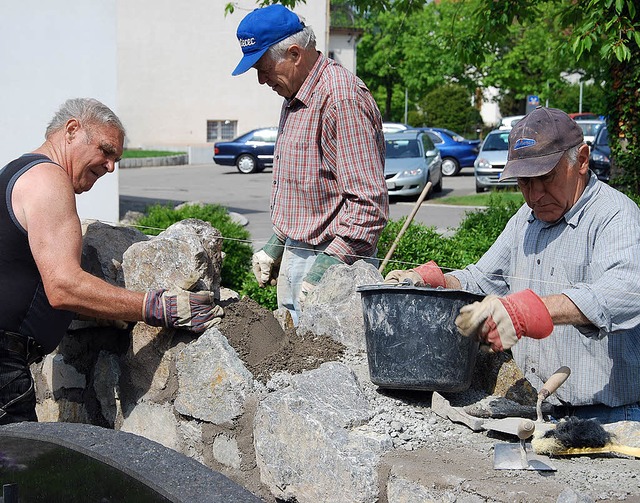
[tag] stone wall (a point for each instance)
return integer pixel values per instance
(318, 433)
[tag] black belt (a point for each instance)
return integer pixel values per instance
(22, 345)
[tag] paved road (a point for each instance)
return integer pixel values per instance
(249, 194)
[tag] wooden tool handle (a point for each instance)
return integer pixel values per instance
(526, 427)
(554, 382)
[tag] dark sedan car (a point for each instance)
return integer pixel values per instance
(250, 153)
(456, 152)
(600, 155)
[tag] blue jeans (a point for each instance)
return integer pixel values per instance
(17, 395)
(602, 413)
(297, 259)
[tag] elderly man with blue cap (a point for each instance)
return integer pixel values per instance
(562, 280)
(329, 200)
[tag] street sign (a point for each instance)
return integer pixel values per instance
(533, 101)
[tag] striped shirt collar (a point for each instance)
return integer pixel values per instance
(306, 89)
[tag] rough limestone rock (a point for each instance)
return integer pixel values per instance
(58, 374)
(187, 253)
(103, 247)
(334, 307)
(106, 384)
(308, 442)
(153, 421)
(213, 383)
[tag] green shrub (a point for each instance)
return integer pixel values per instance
(476, 233)
(266, 297)
(235, 245)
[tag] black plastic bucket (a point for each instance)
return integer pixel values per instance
(412, 340)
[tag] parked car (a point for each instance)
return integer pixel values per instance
(393, 127)
(251, 152)
(491, 160)
(589, 128)
(456, 151)
(510, 121)
(411, 161)
(584, 116)
(600, 155)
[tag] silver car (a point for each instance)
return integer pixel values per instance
(411, 161)
(490, 162)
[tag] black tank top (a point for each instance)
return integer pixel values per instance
(24, 307)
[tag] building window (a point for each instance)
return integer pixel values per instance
(221, 130)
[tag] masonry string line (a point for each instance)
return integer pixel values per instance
(400, 263)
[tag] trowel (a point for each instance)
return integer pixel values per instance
(510, 424)
(516, 456)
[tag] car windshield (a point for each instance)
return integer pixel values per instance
(603, 138)
(589, 128)
(496, 142)
(398, 149)
(454, 136)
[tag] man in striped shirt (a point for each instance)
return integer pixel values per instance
(563, 278)
(329, 200)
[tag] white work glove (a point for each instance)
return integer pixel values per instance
(178, 308)
(500, 322)
(428, 274)
(265, 260)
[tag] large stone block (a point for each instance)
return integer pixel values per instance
(188, 254)
(213, 383)
(309, 446)
(103, 247)
(334, 307)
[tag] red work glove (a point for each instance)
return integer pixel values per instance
(428, 274)
(501, 321)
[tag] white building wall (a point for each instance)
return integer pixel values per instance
(49, 52)
(174, 67)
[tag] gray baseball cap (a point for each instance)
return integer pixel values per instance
(538, 141)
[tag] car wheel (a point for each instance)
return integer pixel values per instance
(450, 166)
(246, 164)
(479, 188)
(437, 188)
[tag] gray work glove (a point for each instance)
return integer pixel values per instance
(178, 308)
(265, 260)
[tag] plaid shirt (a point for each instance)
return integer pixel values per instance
(328, 171)
(591, 255)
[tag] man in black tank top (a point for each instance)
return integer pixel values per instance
(40, 252)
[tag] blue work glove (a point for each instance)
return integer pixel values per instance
(265, 260)
(313, 277)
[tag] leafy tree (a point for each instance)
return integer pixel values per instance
(448, 107)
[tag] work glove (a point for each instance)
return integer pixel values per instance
(265, 260)
(313, 277)
(500, 322)
(178, 308)
(428, 274)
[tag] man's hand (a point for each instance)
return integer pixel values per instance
(265, 260)
(428, 274)
(178, 308)
(313, 277)
(501, 322)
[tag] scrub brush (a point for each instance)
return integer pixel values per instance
(574, 436)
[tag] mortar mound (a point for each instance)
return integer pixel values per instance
(265, 348)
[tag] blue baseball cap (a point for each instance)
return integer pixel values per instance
(262, 28)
